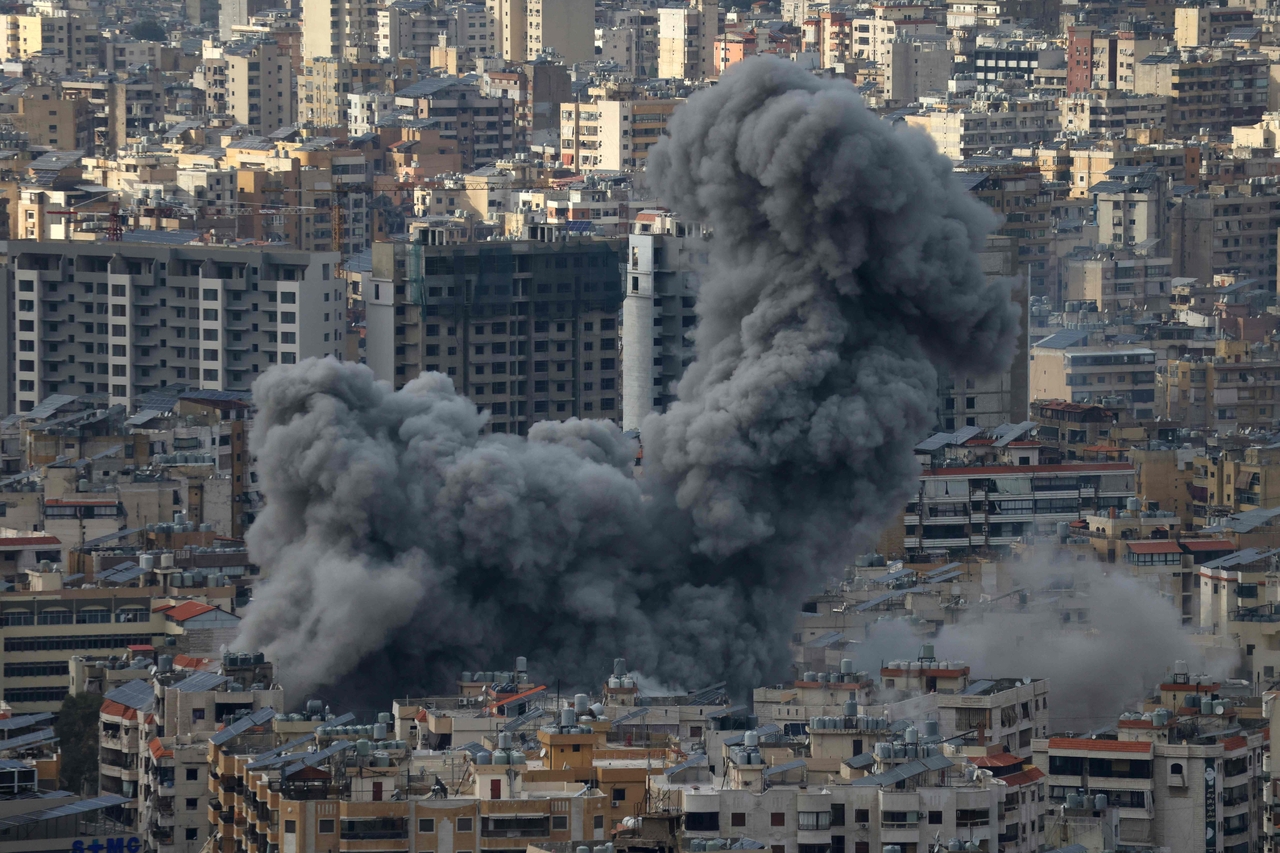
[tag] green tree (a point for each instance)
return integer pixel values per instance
(77, 729)
(148, 31)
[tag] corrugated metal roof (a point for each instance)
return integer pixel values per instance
(76, 808)
(1064, 339)
(257, 718)
(772, 731)
(778, 770)
(631, 715)
(699, 760)
(888, 596)
(893, 576)
(33, 739)
(1014, 432)
(23, 721)
(903, 772)
(314, 758)
(200, 681)
(137, 694)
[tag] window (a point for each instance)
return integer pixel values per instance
(778, 819)
(861, 816)
(738, 819)
(193, 833)
(812, 821)
(193, 774)
(193, 803)
(598, 822)
(291, 826)
(326, 826)
(619, 794)
(464, 824)
(702, 821)
(837, 814)
(559, 822)
(935, 817)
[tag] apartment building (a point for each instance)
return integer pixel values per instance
(484, 127)
(50, 119)
(914, 67)
(664, 260)
(525, 30)
(347, 29)
(1234, 480)
(68, 41)
(1106, 58)
(686, 40)
(1202, 26)
(43, 630)
(995, 505)
(1237, 389)
(1229, 228)
(416, 26)
(1213, 89)
(123, 320)
(527, 329)
(1122, 379)
(997, 58)
(251, 81)
(1102, 111)
(1185, 779)
(1116, 281)
(1131, 208)
(995, 123)
(323, 791)
(612, 135)
(326, 83)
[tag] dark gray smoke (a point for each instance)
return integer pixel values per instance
(402, 544)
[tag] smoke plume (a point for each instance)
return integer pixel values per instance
(401, 543)
(1103, 638)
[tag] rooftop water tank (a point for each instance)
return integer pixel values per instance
(846, 666)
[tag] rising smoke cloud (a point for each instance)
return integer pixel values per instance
(402, 545)
(1126, 644)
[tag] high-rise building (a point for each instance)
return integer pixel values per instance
(122, 319)
(663, 261)
(526, 29)
(345, 29)
(687, 41)
(251, 81)
(528, 329)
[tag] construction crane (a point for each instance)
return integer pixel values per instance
(115, 231)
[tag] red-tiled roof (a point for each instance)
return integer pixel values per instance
(112, 709)
(28, 541)
(157, 749)
(141, 648)
(1158, 546)
(1090, 745)
(187, 610)
(188, 662)
(1233, 743)
(1003, 759)
(1023, 778)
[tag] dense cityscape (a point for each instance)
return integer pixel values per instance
(639, 426)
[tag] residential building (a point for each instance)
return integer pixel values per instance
(1103, 111)
(1208, 89)
(999, 122)
(612, 135)
(1238, 389)
(484, 127)
(686, 40)
(1106, 58)
(1118, 281)
(537, 341)
(958, 509)
(161, 314)
(345, 30)
(250, 81)
(664, 260)
(1205, 25)
(1122, 379)
(1228, 228)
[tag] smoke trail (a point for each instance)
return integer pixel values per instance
(401, 542)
